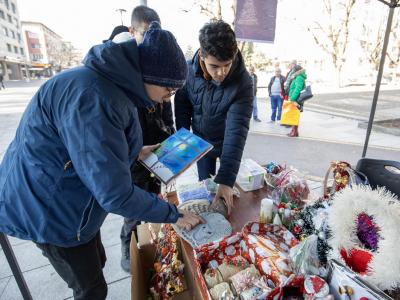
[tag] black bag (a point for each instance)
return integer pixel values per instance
(305, 94)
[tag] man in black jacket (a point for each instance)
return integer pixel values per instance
(254, 78)
(216, 102)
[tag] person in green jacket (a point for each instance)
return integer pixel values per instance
(296, 86)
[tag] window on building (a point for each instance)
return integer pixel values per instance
(2, 15)
(22, 50)
(14, 10)
(12, 33)
(5, 31)
(7, 4)
(19, 37)
(9, 18)
(35, 46)
(16, 22)
(9, 48)
(16, 49)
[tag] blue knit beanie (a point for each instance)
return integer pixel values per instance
(161, 59)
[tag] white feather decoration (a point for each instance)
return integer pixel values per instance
(384, 268)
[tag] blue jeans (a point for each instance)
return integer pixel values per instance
(255, 110)
(276, 105)
(206, 167)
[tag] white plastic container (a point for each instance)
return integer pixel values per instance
(250, 176)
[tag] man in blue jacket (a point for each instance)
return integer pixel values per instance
(216, 102)
(69, 164)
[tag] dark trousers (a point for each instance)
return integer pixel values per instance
(276, 107)
(2, 84)
(81, 267)
(147, 183)
(206, 167)
(126, 231)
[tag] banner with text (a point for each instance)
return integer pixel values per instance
(255, 20)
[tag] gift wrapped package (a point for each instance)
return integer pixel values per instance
(221, 291)
(268, 247)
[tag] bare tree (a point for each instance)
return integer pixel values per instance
(189, 52)
(333, 35)
(372, 42)
(393, 53)
(62, 55)
(213, 9)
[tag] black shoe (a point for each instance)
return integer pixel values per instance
(125, 258)
(257, 119)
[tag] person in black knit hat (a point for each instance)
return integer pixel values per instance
(117, 30)
(69, 164)
(157, 125)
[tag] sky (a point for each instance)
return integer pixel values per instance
(88, 22)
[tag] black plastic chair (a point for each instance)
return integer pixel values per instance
(383, 173)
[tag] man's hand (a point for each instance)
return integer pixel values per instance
(146, 151)
(188, 220)
(226, 192)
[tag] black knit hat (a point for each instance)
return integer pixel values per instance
(117, 30)
(161, 59)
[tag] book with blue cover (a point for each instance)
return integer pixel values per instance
(176, 154)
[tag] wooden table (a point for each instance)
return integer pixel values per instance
(246, 209)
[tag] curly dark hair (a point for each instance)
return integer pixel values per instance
(218, 39)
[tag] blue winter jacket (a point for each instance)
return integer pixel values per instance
(69, 164)
(218, 113)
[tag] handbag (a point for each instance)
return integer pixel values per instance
(305, 94)
(290, 113)
(343, 281)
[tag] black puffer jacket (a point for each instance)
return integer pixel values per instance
(157, 125)
(218, 113)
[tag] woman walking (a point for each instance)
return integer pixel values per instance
(296, 86)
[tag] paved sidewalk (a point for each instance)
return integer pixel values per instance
(318, 126)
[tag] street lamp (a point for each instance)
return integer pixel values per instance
(121, 11)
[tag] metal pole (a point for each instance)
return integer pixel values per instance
(121, 10)
(143, 2)
(12, 261)
(379, 78)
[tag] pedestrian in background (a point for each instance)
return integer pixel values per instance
(276, 91)
(254, 79)
(296, 86)
(289, 77)
(1, 81)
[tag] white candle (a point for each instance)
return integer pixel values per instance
(266, 210)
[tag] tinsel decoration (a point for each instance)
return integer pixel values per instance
(304, 226)
(367, 232)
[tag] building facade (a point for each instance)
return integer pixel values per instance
(45, 48)
(12, 52)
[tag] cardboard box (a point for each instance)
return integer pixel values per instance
(147, 249)
(142, 261)
(250, 176)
